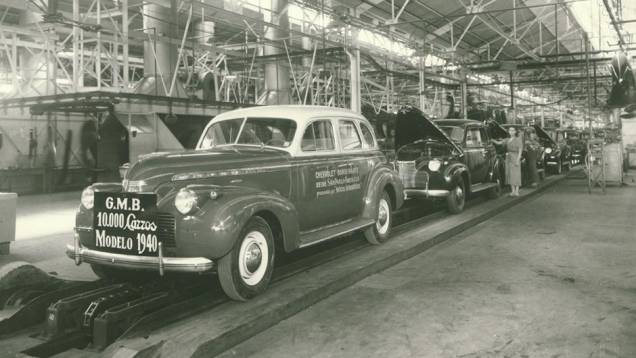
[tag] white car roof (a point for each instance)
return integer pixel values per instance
(301, 114)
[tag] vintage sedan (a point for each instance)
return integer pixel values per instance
(557, 151)
(260, 179)
(446, 159)
(577, 141)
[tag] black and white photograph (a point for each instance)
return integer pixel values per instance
(318, 178)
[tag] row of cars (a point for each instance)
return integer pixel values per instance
(278, 178)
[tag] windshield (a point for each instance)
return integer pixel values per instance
(272, 132)
(455, 133)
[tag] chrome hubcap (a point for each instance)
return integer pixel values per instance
(253, 258)
(459, 193)
(382, 224)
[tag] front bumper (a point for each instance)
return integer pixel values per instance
(81, 254)
(425, 193)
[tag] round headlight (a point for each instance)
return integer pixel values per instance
(434, 165)
(88, 198)
(185, 201)
(548, 150)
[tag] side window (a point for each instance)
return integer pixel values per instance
(367, 135)
(349, 137)
(473, 137)
(318, 136)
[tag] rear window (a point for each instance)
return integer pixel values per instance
(349, 137)
(367, 135)
(318, 136)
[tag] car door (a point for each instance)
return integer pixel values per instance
(476, 154)
(490, 152)
(317, 201)
(353, 167)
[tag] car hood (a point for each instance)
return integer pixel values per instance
(424, 150)
(412, 126)
(156, 168)
(496, 131)
(544, 137)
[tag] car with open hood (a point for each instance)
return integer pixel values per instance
(261, 179)
(557, 151)
(446, 159)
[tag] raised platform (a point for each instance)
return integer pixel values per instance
(210, 324)
(211, 332)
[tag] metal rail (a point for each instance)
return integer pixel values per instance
(92, 315)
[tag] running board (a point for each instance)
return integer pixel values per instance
(481, 187)
(317, 236)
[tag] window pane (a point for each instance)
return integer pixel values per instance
(220, 133)
(455, 133)
(349, 137)
(473, 137)
(367, 135)
(275, 132)
(318, 136)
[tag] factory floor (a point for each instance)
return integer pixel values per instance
(552, 277)
(44, 225)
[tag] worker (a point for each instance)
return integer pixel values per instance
(514, 148)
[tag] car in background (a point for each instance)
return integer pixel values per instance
(557, 151)
(261, 179)
(447, 159)
(525, 172)
(577, 141)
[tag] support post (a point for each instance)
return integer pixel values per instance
(464, 88)
(354, 61)
(76, 50)
(124, 27)
(421, 84)
(513, 111)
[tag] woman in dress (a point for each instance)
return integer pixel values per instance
(514, 147)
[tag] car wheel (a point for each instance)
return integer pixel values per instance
(495, 191)
(381, 231)
(456, 198)
(246, 271)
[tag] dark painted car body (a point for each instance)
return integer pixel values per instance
(431, 164)
(577, 141)
(305, 195)
(557, 151)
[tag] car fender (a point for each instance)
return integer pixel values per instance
(454, 172)
(382, 177)
(212, 230)
(83, 216)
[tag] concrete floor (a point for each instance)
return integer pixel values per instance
(44, 225)
(552, 277)
(42, 215)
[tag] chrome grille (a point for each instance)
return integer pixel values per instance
(410, 176)
(407, 173)
(167, 229)
(133, 186)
